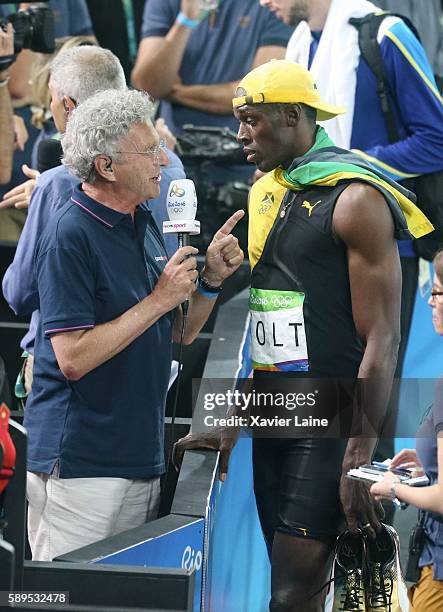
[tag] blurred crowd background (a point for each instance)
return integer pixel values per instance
(201, 96)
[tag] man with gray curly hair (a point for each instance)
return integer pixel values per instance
(99, 131)
(109, 311)
(76, 75)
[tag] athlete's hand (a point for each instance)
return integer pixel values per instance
(224, 254)
(220, 439)
(6, 44)
(359, 507)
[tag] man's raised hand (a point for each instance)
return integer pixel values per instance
(224, 254)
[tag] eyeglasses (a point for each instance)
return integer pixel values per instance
(154, 151)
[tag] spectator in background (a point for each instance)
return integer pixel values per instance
(118, 29)
(19, 196)
(6, 126)
(42, 119)
(192, 59)
(76, 75)
(427, 18)
(41, 98)
(71, 18)
(427, 594)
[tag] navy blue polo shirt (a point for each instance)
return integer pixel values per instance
(91, 268)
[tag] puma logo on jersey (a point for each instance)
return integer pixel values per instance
(309, 206)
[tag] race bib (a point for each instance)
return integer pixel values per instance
(278, 331)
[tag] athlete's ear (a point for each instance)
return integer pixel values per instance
(293, 113)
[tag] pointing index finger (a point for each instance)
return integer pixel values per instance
(229, 225)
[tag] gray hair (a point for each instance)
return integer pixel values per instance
(81, 72)
(97, 127)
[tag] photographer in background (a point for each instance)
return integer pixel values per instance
(67, 18)
(6, 123)
(71, 18)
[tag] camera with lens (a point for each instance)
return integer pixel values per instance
(33, 29)
(198, 144)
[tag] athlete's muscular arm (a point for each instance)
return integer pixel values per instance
(364, 223)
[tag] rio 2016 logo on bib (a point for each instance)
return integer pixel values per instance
(278, 331)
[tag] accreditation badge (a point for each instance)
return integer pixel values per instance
(278, 331)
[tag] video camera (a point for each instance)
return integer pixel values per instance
(209, 144)
(33, 29)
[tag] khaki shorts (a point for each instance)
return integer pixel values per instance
(67, 513)
(427, 594)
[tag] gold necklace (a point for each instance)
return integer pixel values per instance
(286, 206)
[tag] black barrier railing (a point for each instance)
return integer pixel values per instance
(111, 587)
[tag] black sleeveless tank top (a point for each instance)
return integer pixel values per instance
(302, 254)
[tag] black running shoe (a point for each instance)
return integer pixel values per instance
(382, 579)
(350, 572)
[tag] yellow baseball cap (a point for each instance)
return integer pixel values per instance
(284, 82)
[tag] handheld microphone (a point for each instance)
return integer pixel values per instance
(182, 207)
(181, 204)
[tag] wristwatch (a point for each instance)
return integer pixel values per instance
(207, 287)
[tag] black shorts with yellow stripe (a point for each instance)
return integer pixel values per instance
(296, 485)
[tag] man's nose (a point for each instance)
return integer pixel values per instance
(242, 134)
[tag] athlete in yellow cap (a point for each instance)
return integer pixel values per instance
(325, 308)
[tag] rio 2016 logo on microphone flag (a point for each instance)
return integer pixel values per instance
(177, 191)
(182, 208)
(182, 200)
